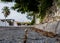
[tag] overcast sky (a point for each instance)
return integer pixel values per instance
(14, 14)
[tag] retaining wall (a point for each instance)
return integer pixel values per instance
(50, 27)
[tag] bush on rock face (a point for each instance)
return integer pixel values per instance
(18, 24)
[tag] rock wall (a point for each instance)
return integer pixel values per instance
(50, 27)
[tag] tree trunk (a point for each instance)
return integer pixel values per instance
(34, 18)
(5, 21)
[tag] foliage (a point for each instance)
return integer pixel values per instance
(32, 22)
(26, 6)
(18, 24)
(6, 11)
(35, 6)
(31, 16)
(23, 23)
(45, 5)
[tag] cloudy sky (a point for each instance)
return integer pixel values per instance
(14, 14)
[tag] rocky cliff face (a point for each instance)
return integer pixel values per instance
(52, 15)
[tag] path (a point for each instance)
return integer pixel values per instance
(16, 35)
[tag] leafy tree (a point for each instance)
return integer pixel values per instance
(45, 5)
(27, 6)
(6, 12)
(35, 6)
